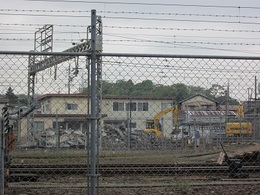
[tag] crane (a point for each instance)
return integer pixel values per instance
(153, 126)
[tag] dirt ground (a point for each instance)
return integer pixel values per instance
(248, 189)
(234, 188)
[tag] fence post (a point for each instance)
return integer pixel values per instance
(2, 177)
(4, 126)
(93, 165)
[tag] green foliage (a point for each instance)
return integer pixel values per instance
(11, 96)
(147, 88)
(217, 90)
(177, 91)
(20, 100)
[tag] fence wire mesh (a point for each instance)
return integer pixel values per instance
(165, 120)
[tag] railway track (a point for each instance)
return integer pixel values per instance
(129, 169)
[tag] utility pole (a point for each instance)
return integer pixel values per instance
(227, 102)
(255, 110)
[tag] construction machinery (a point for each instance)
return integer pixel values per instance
(239, 128)
(154, 126)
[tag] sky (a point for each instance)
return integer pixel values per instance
(184, 27)
(180, 27)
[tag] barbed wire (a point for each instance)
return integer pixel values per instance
(142, 41)
(128, 12)
(179, 29)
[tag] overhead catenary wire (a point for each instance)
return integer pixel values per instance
(107, 14)
(144, 40)
(180, 36)
(123, 35)
(126, 12)
(138, 27)
(181, 29)
(165, 44)
(132, 18)
(140, 18)
(185, 42)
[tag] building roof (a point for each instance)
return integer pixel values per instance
(211, 113)
(230, 107)
(67, 116)
(3, 100)
(76, 95)
(198, 94)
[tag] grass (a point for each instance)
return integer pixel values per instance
(120, 157)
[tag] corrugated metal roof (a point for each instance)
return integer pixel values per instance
(211, 113)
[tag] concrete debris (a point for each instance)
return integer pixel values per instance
(66, 138)
(111, 135)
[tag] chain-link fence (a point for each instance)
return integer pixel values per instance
(161, 122)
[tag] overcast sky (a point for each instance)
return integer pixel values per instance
(162, 27)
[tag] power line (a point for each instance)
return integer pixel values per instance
(180, 20)
(44, 10)
(180, 29)
(46, 15)
(183, 67)
(136, 18)
(147, 40)
(177, 36)
(140, 28)
(186, 42)
(176, 44)
(149, 4)
(180, 14)
(40, 25)
(191, 46)
(31, 39)
(128, 12)
(28, 32)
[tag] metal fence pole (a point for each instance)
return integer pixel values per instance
(2, 177)
(93, 166)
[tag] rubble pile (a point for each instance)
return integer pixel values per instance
(66, 138)
(117, 136)
(112, 136)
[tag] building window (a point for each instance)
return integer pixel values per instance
(142, 106)
(60, 125)
(45, 108)
(118, 106)
(165, 105)
(131, 105)
(191, 107)
(206, 107)
(69, 106)
(38, 126)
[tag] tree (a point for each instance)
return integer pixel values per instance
(177, 91)
(11, 96)
(181, 91)
(217, 90)
(22, 99)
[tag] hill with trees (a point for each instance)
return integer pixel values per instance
(178, 91)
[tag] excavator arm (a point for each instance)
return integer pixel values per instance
(154, 126)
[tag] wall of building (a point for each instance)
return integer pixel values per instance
(198, 103)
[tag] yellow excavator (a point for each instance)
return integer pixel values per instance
(154, 126)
